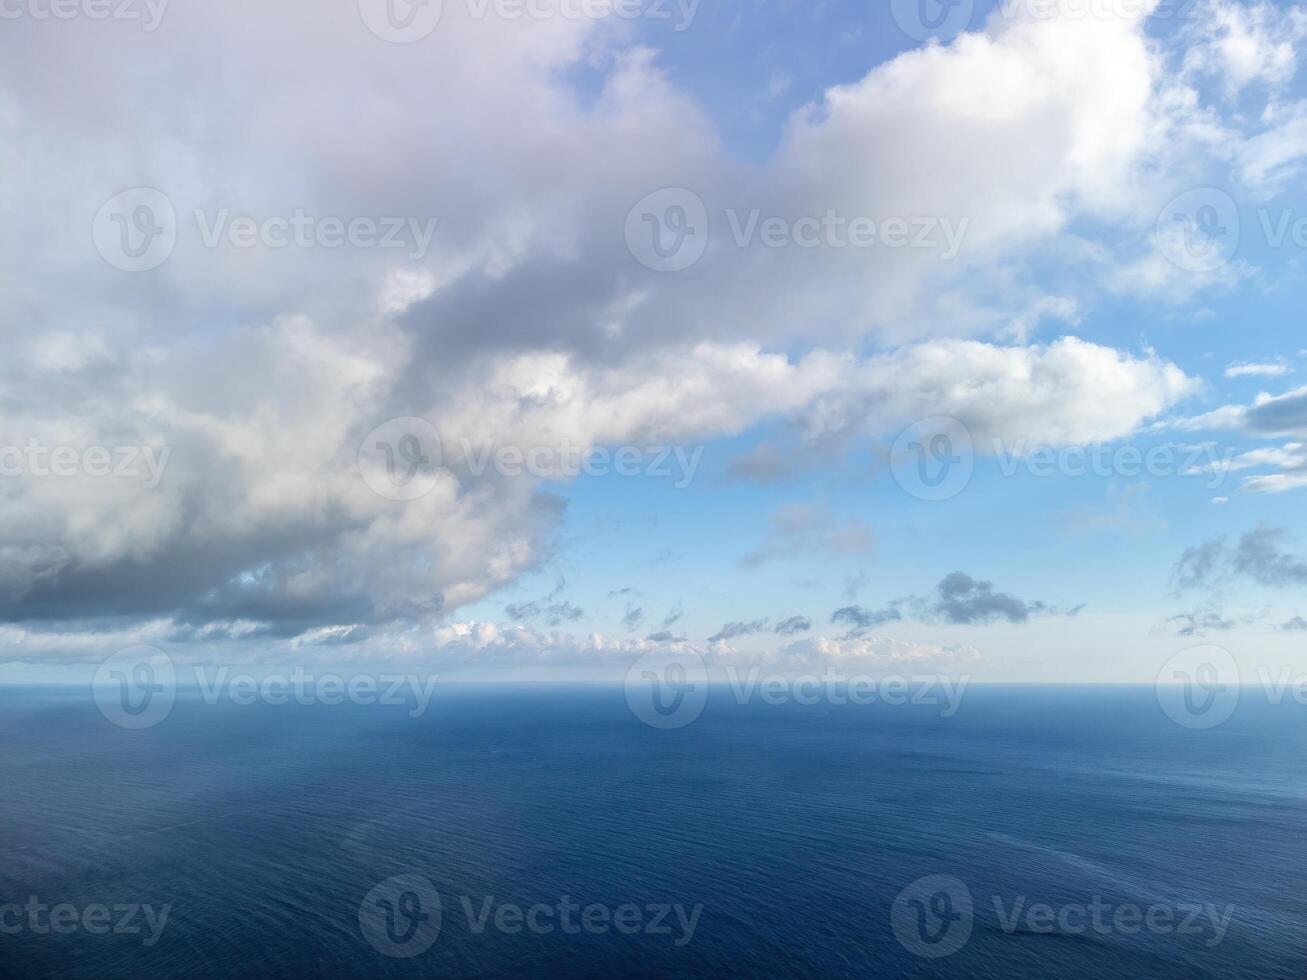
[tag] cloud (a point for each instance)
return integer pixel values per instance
(1279, 415)
(1247, 369)
(1200, 565)
(803, 528)
(632, 617)
(1244, 44)
(664, 636)
(883, 651)
(769, 464)
(792, 625)
(1124, 511)
(859, 618)
(1259, 556)
(958, 599)
(961, 599)
(1268, 416)
(765, 464)
(528, 324)
(1200, 622)
(262, 515)
(553, 613)
(733, 630)
(488, 644)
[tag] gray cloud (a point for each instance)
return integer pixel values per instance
(632, 617)
(731, 630)
(1258, 556)
(803, 528)
(795, 624)
(770, 464)
(664, 636)
(764, 464)
(1200, 565)
(958, 599)
(961, 599)
(1200, 622)
(854, 583)
(553, 613)
(1283, 415)
(860, 618)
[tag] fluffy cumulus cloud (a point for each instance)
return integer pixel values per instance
(515, 315)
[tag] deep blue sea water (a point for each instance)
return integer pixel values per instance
(264, 828)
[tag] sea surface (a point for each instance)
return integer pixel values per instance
(801, 833)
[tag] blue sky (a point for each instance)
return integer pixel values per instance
(1111, 178)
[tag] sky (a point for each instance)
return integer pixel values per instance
(530, 338)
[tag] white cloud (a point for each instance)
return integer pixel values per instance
(529, 324)
(1246, 369)
(1244, 44)
(880, 651)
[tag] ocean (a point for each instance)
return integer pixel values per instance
(539, 831)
